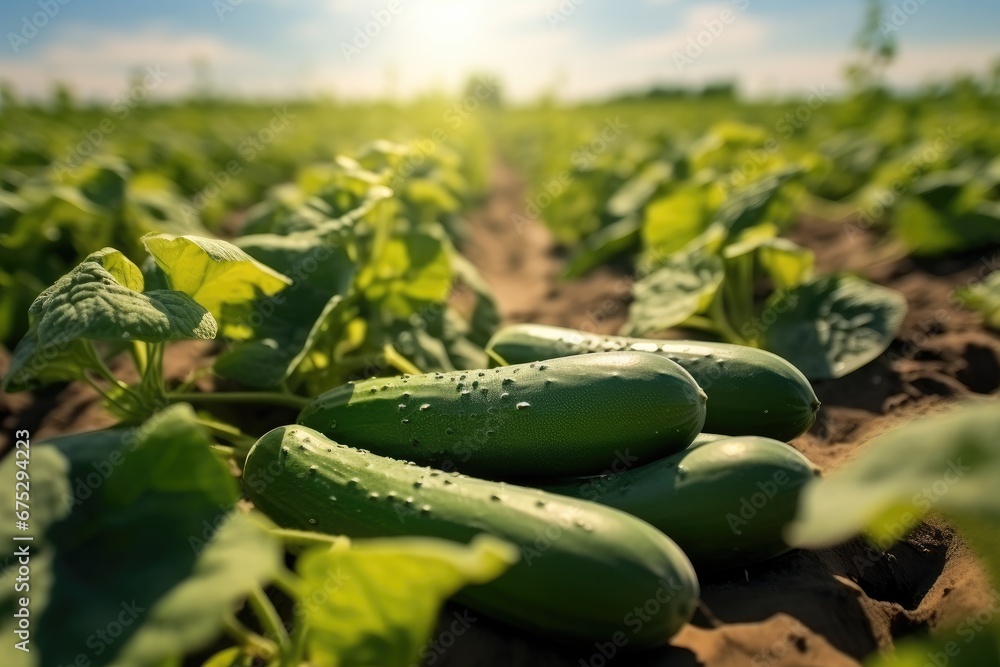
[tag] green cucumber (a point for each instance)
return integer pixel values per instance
(571, 416)
(586, 571)
(750, 391)
(725, 502)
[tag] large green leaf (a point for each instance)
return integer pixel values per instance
(90, 302)
(287, 324)
(831, 326)
(137, 556)
(376, 602)
(984, 297)
(684, 286)
(218, 275)
(947, 463)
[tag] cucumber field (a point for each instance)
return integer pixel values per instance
(555, 335)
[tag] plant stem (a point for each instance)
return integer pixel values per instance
(249, 397)
(260, 647)
(298, 645)
(305, 538)
(722, 323)
(140, 354)
(268, 616)
(286, 580)
(124, 409)
(241, 441)
(401, 363)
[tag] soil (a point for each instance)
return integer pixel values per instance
(817, 608)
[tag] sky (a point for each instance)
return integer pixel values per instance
(576, 49)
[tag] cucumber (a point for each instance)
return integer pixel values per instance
(586, 571)
(725, 502)
(750, 391)
(571, 416)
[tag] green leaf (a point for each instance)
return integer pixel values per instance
(673, 221)
(36, 363)
(785, 262)
(927, 231)
(948, 463)
(287, 325)
(831, 326)
(615, 239)
(238, 557)
(984, 297)
(634, 193)
(411, 272)
(430, 196)
(382, 596)
(216, 274)
(682, 287)
(90, 302)
(120, 267)
(138, 556)
(768, 200)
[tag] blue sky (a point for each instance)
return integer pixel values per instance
(579, 48)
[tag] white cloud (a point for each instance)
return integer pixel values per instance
(98, 61)
(713, 29)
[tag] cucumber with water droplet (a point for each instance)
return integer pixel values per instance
(750, 391)
(586, 571)
(724, 501)
(572, 416)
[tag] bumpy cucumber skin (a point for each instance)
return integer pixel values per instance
(724, 502)
(569, 416)
(584, 568)
(750, 391)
